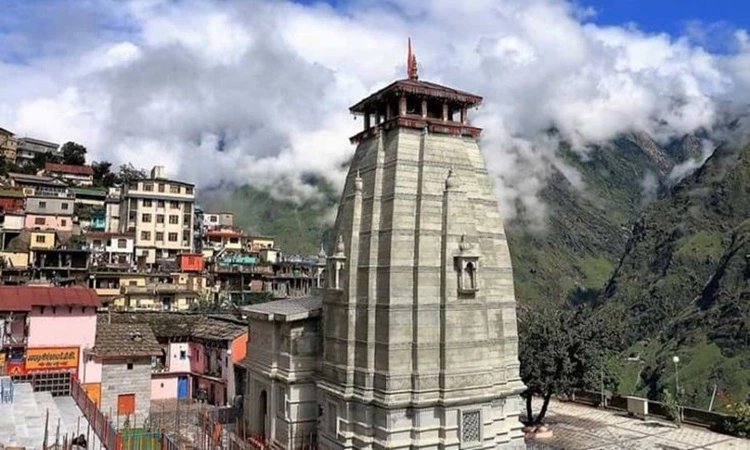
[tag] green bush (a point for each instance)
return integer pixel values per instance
(739, 423)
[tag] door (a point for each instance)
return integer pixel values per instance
(182, 387)
(125, 404)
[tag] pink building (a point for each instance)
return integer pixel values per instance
(48, 222)
(51, 328)
(171, 377)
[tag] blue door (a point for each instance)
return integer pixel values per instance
(182, 387)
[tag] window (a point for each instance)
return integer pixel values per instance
(160, 218)
(281, 402)
(122, 243)
(146, 235)
(41, 239)
(213, 219)
(160, 203)
(174, 219)
(174, 205)
(186, 220)
(42, 205)
(159, 236)
(172, 237)
(333, 417)
(65, 205)
(148, 187)
(133, 203)
(97, 243)
(63, 223)
(174, 189)
(146, 218)
(161, 187)
(471, 426)
(183, 354)
(147, 203)
(189, 190)
(39, 221)
(130, 366)
(188, 208)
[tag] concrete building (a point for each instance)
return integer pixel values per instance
(111, 249)
(11, 200)
(8, 145)
(217, 220)
(30, 147)
(160, 212)
(418, 320)
(58, 325)
(49, 212)
(38, 185)
(71, 174)
(118, 367)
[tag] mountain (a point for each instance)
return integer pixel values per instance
(682, 284)
(588, 226)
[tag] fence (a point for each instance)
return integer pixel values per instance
(692, 416)
(100, 424)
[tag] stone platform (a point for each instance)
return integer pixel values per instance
(22, 422)
(578, 427)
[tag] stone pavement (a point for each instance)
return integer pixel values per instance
(579, 427)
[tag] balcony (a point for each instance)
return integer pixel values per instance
(154, 289)
(14, 340)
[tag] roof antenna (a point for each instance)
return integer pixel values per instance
(411, 64)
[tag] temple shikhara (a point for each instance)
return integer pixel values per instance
(412, 344)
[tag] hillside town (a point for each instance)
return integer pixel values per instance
(132, 290)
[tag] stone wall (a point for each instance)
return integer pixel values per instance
(118, 379)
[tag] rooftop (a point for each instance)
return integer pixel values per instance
(125, 340)
(182, 324)
(23, 298)
(286, 310)
(68, 169)
(417, 87)
(38, 141)
(11, 192)
(107, 234)
(93, 192)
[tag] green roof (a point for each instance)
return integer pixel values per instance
(93, 191)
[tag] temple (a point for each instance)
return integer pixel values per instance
(413, 343)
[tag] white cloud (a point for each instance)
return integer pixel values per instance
(270, 83)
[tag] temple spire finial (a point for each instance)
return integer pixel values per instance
(411, 64)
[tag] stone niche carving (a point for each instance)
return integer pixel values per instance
(467, 267)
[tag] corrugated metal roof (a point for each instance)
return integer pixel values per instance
(23, 298)
(68, 168)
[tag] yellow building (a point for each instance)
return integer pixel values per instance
(161, 292)
(8, 145)
(15, 259)
(256, 243)
(42, 239)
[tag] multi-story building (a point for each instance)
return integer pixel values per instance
(8, 145)
(112, 210)
(49, 328)
(11, 199)
(218, 220)
(38, 184)
(160, 212)
(76, 175)
(30, 147)
(256, 243)
(111, 249)
(48, 212)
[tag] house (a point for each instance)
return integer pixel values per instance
(160, 212)
(224, 239)
(11, 229)
(160, 291)
(213, 221)
(49, 213)
(42, 239)
(11, 200)
(190, 262)
(50, 327)
(78, 175)
(255, 243)
(199, 353)
(28, 148)
(118, 369)
(111, 249)
(38, 185)
(8, 145)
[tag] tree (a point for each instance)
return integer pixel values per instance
(74, 154)
(128, 173)
(562, 350)
(39, 161)
(103, 176)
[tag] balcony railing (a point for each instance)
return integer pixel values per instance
(157, 289)
(14, 340)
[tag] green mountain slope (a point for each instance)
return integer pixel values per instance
(683, 283)
(588, 227)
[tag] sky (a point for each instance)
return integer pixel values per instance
(229, 92)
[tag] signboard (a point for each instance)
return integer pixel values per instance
(61, 358)
(15, 368)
